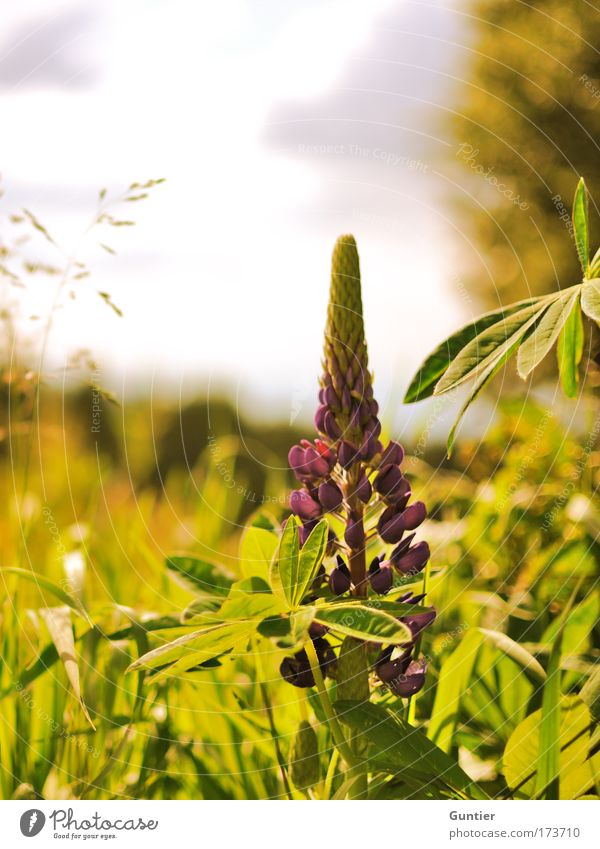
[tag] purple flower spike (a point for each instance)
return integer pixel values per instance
(304, 505)
(330, 496)
(394, 453)
(409, 682)
(414, 515)
(354, 534)
(330, 426)
(413, 560)
(381, 577)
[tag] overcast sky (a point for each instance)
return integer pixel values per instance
(278, 126)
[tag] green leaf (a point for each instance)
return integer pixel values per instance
(490, 346)
(580, 225)
(200, 575)
(283, 575)
(538, 344)
(590, 693)
(595, 265)
(45, 583)
(532, 668)
(423, 383)
(311, 557)
(478, 386)
(194, 648)
(525, 748)
(455, 675)
(60, 628)
(254, 606)
(570, 350)
(590, 299)
(364, 623)
(257, 548)
(399, 748)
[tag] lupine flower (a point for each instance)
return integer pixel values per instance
(347, 470)
(296, 670)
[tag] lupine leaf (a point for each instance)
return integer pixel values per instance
(595, 265)
(590, 299)
(283, 575)
(364, 623)
(200, 575)
(195, 648)
(570, 350)
(538, 344)
(590, 693)
(398, 747)
(490, 345)
(257, 548)
(423, 383)
(311, 557)
(480, 383)
(580, 225)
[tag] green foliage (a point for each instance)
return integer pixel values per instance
(530, 328)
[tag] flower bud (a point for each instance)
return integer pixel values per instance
(296, 670)
(330, 496)
(393, 453)
(304, 505)
(330, 426)
(320, 417)
(413, 560)
(409, 682)
(331, 399)
(388, 669)
(391, 525)
(296, 460)
(316, 465)
(339, 578)
(355, 534)
(414, 515)
(364, 490)
(380, 577)
(347, 454)
(317, 630)
(390, 481)
(417, 622)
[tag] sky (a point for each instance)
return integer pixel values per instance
(278, 125)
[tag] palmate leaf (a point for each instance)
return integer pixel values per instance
(200, 576)
(541, 340)
(365, 623)
(50, 586)
(580, 225)
(195, 648)
(570, 350)
(401, 749)
(435, 365)
(311, 557)
(257, 548)
(490, 346)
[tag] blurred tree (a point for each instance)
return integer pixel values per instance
(527, 123)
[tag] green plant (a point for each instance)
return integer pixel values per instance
(529, 328)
